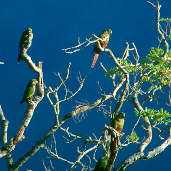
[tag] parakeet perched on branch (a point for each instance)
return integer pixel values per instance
(118, 122)
(29, 91)
(105, 35)
(25, 42)
(101, 164)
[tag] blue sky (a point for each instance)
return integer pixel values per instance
(57, 25)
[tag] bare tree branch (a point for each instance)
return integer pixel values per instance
(4, 127)
(160, 30)
(84, 108)
(82, 45)
(9, 145)
(158, 149)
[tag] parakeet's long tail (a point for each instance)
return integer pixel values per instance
(96, 55)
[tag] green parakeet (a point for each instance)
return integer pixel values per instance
(29, 91)
(106, 36)
(118, 122)
(25, 42)
(101, 164)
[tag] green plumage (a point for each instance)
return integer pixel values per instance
(104, 35)
(29, 91)
(25, 42)
(118, 122)
(101, 164)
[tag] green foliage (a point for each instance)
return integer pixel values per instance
(128, 66)
(113, 71)
(158, 116)
(155, 55)
(157, 68)
(133, 138)
(154, 65)
(169, 54)
(166, 20)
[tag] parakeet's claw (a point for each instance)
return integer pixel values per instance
(30, 100)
